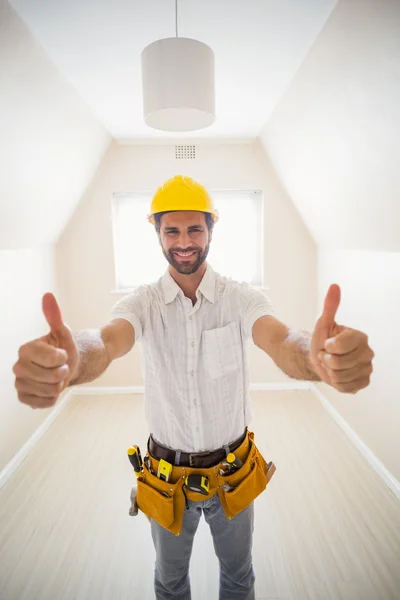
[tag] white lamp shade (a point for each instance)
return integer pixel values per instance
(178, 84)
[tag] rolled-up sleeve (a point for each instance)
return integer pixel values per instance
(132, 308)
(257, 305)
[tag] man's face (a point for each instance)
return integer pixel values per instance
(185, 240)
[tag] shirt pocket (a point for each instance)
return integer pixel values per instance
(221, 350)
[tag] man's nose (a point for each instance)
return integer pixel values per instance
(184, 240)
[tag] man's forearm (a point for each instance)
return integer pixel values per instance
(294, 356)
(93, 356)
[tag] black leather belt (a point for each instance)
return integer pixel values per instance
(203, 460)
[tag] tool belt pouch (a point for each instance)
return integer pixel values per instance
(165, 501)
(157, 498)
(248, 482)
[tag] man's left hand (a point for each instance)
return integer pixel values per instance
(339, 355)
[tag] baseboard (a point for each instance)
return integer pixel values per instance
(139, 389)
(90, 391)
(15, 462)
(280, 385)
(369, 456)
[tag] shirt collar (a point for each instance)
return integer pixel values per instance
(206, 287)
(170, 287)
(207, 284)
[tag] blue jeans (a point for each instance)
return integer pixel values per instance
(232, 542)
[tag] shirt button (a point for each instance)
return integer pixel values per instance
(197, 429)
(192, 373)
(190, 318)
(194, 401)
(192, 344)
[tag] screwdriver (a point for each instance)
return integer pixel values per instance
(231, 464)
(135, 458)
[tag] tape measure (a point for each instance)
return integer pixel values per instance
(198, 483)
(164, 470)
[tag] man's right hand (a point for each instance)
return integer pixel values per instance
(47, 365)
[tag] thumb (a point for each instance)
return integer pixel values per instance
(325, 326)
(331, 305)
(52, 312)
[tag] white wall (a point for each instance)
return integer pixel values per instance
(370, 283)
(85, 250)
(333, 140)
(25, 276)
(50, 144)
(334, 136)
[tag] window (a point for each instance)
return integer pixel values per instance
(236, 250)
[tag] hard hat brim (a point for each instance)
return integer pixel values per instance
(213, 213)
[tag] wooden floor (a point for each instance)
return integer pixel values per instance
(327, 528)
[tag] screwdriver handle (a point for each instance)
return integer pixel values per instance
(234, 460)
(139, 456)
(135, 458)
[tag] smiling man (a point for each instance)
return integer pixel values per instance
(193, 325)
(193, 228)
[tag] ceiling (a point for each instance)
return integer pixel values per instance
(259, 45)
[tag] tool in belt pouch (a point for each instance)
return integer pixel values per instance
(135, 458)
(166, 501)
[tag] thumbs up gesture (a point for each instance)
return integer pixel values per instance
(46, 366)
(340, 356)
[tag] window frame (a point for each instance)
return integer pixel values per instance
(150, 193)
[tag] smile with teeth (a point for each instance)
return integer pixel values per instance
(185, 254)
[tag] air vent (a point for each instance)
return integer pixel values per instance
(185, 152)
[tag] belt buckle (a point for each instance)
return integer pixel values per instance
(196, 454)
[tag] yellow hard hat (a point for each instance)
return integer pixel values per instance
(182, 193)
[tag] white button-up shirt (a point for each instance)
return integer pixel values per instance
(197, 387)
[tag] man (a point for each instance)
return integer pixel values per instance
(193, 325)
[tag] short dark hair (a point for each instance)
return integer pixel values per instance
(157, 220)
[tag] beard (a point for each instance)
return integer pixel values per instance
(191, 266)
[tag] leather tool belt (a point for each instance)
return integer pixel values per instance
(165, 501)
(203, 460)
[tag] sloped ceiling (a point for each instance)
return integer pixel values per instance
(334, 137)
(258, 45)
(331, 129)
(51, 143)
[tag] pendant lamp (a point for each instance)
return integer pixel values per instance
(178, 83)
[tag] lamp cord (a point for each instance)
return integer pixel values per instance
(176, 17)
